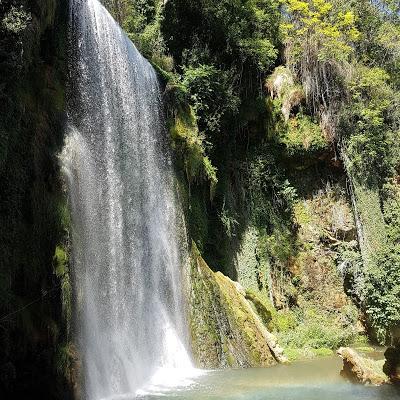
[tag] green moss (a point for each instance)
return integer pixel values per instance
(61, 269)
(231, 359)
(188, 142)
(284, 321)
(64, 215)
(211, 173)
(302, 214)
(304, 353)
(262, 305)
(198, 221)
(60, 261)
(293, 354)
(323, 352)
(225, 331)
(67, 362)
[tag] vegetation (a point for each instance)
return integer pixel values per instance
(382, 290)
(351, 93)
(32, 218)
(284, 118)
(253, 130)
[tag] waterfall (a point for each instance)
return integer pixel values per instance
(127, 251)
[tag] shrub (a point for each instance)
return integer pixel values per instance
(381, 292)
(212, 95)
(303, 135)
(314, 329)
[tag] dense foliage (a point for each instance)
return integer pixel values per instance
(270, 104)
(354, 91)
(250, 123)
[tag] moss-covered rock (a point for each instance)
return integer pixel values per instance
(225, 331)
(188, 142)
(62, 271)
(33, 73)
(262, 305)
(69, 366)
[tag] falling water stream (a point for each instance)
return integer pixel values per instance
(127, 257)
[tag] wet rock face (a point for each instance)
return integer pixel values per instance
(360, 369)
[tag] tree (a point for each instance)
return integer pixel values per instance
(319, 37)
(318, 26)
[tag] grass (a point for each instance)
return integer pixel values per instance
(296, 354)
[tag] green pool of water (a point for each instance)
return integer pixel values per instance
(309, 380)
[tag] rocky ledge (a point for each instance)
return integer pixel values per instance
(359, 369)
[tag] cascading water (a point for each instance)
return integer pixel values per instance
(126, 254)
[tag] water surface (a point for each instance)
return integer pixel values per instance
(308, 380)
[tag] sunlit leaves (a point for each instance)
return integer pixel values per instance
(317, 23)
(16, 20)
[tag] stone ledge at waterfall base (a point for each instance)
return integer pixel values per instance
(225, 331)
(360, 369)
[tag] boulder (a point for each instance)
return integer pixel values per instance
(360, 369)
